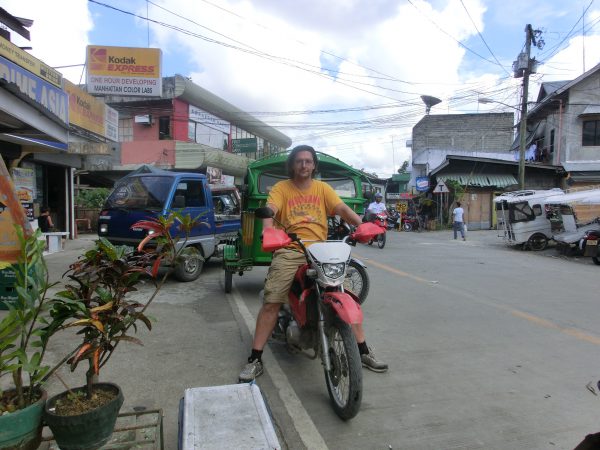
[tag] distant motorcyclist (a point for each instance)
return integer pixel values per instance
(376, 207)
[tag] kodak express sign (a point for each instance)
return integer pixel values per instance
(124, 71)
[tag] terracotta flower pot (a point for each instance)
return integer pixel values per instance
(22, 429)
(86, 431)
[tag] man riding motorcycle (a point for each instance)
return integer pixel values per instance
(302, 204)
(377, 207)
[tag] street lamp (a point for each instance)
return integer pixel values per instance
(522, 137)
(486, 100)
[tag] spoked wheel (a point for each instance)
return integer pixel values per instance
(537, 242)
(357, 281)
(228, 280)
(344, 380)
(406, 226)
(381, 240)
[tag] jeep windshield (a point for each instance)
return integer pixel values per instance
(143, 192)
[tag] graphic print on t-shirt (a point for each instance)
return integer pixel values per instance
(304, 209)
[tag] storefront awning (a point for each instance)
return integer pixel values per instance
(481, 180)
(590, 110)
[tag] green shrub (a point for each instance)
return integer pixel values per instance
(92, 198)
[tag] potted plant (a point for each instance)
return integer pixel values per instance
(96, 300)
(24, 335)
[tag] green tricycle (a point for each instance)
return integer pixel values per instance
(244, 252)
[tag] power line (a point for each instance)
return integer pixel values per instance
(551, 52)
(264, 55)
(452, 37)
(481, 36)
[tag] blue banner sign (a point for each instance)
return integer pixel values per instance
(422, 184)
(50, 97)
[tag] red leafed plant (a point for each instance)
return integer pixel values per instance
(97, 297)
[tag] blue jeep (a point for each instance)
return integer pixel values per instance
(153, 192)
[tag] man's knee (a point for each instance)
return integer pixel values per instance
(271, 308)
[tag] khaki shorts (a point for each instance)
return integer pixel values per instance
(281, 274)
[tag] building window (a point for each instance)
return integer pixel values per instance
(591, 133)
(164, 127)
(126, 130)
(552, 141)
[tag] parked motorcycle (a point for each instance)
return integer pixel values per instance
(393, 219)
(320, 311)
(410, 223)
(589, 245)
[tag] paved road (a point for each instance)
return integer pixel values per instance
(489, 348)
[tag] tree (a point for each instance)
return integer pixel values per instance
(404, 167)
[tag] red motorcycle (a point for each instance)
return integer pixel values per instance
(381, 220)
(320, 312)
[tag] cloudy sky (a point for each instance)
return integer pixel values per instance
(345, 76)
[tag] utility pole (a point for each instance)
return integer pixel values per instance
(523, 127)
(522, 67)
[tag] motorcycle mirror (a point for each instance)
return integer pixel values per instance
(264, 213)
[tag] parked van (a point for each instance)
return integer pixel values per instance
(154, 192)
(577, 212)
(522, 217)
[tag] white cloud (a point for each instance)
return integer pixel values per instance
(58, 36)
(396, 39)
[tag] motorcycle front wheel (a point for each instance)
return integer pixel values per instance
(357, 281)
(407, 226)
(381, 240)
(344, 380)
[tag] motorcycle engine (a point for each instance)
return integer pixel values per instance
(298, 337)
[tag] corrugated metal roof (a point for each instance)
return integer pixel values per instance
(196, 156)
(489, 180)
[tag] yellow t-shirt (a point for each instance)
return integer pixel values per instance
(304, 212)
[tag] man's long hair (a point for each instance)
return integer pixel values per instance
(292, 157)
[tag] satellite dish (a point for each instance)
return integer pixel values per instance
(429, 102)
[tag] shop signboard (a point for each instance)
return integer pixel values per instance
(11, 214)
(422, 184)
(126, 71)
(206, 118)
(49, 96)
(111, 124)
(227, 180)
(24, 181)
(91, 114)
(84, 110)
(30, 63)
(247, 145)
(213, 175)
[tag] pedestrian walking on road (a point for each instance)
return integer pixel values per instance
(458, 221)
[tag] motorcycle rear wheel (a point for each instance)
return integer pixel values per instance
(407, 226)
(344, 380)
(357, 281)
(381, 240)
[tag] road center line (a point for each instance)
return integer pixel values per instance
(308, 432)
(573, 332)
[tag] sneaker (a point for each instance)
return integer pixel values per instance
(370, 361)
(251, 371)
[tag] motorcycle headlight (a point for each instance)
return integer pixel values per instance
(334, 270)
